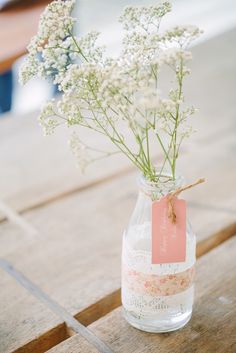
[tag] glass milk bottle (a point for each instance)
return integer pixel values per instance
(155, 297)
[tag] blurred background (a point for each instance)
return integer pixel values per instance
(18, 22)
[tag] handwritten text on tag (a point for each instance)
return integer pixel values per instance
(168, 239)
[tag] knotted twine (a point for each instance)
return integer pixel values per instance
(171, 210)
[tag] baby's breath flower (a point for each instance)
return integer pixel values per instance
(68, 108)
(48, 119)
(80, 152)
(103, 93)
(89, 47)
(47, 50)
(173, 56)
(185, 131)
(183, 35)
(136, 18)
(148, 98)
(30, 68)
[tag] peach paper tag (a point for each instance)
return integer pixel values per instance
(168, 239)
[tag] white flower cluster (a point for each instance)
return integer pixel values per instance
(48, 50)
(48, 118)
(182, 35)
(80, 151)
(103, 93)
(142, 18)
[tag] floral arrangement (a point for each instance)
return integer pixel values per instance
(108, 95)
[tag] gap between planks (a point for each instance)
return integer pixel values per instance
(110, 302)
(99, 309)
(62, 332)
(72, 324)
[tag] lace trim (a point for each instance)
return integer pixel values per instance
(157, 285)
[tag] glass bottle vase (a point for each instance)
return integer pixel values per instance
(155, 297)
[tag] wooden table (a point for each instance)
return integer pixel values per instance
(60, 232)
(17, 25)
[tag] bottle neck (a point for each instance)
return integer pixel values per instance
(164, 185)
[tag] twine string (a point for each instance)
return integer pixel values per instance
(171, 196)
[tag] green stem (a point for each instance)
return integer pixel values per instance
(163, 148)
(175, 155)
(142, 153)
(78, 47)
(118, 142)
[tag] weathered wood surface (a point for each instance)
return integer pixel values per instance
(82, 346)
(23, 318)
(45, 171)
(17, 25)
(211, 329)
(80, 233)
(74, 278)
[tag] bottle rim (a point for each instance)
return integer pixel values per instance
(165, 185)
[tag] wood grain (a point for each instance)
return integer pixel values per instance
(77, 262)
(82, 346)
(215, 239)
(24, 319)
(72, 324)
(211, 329)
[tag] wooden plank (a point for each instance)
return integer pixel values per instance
(217, 196)
(215, 239)
(82, 347)
(59, 268)
(50, 337)
(76, 261)
(51, 173)
(17, 25)
(73, 325)
(24, 320)
(31, 176)
(211, 329)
